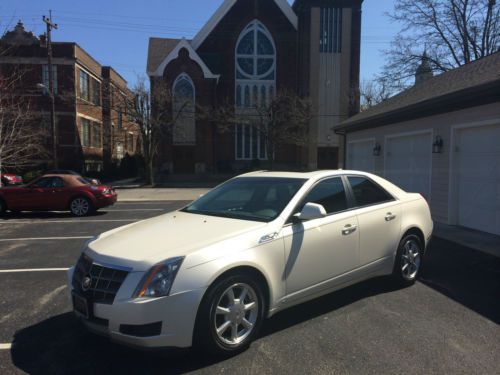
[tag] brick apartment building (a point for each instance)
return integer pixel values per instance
(93, 129)
(246, 52)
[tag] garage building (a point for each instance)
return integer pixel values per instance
(440, 138)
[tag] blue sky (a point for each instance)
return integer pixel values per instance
(116, 32)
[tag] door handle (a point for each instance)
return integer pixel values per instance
(348, 229)
(389, 216)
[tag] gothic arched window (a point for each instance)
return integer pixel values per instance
(255, 73)
(183, 95)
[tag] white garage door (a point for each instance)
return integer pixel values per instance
(360, 156)
(478, 177)
(408, 162)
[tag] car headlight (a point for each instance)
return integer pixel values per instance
(158, 281)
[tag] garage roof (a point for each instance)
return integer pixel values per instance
(443, 93)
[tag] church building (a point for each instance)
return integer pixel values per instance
(248, 51)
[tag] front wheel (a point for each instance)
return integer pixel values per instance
(230, 315)
(80, 206)
(408, 260)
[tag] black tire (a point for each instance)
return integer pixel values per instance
(3, 208)
(206, 338)
(81, 206)
(408, 261)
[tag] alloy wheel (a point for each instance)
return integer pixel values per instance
(410, 260)
(236, 314)
(80, 206)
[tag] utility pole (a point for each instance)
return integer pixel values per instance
(50, 26)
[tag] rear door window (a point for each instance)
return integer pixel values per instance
(367, 193)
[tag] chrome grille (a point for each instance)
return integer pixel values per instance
(106, 281)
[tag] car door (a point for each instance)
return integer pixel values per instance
(379, 219)
(321, 249)
(58, 197)
(33, 196)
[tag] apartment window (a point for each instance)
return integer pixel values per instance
(84, 85)
(330, 30)
(120, 120)
(96, 92)
(96, 135)
(85, 136)
(45, 78)
(130, 142)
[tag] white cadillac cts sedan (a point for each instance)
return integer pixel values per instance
(210, 273)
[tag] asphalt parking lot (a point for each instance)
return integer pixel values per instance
(448, 322)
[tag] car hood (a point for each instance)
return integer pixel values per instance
(148, 242)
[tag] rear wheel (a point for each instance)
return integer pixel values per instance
(408, 260)
(80, 206)
(230, 315)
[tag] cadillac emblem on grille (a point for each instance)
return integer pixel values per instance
(86, 283)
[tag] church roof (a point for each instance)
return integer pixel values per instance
(158, 49)
(226, 7)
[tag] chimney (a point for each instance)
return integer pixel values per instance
(424, 70)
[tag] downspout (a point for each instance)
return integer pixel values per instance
(343, 134)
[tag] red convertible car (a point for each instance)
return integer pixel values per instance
(57, 192)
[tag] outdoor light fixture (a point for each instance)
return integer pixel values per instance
(377, 149)
(437, 146)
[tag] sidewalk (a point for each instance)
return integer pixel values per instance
(158, 194)
(480, 241)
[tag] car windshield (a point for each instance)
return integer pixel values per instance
(248, 198)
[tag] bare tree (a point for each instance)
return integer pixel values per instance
(283, 121)
(376, 91)
(453, 32)
(23, 140)
(152, 110)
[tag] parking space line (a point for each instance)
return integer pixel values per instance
(134, 209)
(35, 270)
(5, 346)
(45, 238)
(67, 221)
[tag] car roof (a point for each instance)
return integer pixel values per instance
(303, 175)
(317, 175)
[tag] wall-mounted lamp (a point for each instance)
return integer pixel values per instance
(377, 149)
(437, 146)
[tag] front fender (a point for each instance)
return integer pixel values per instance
(268, 259)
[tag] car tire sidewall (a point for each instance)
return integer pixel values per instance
(397, 271)
(205, 337)
(89, 211)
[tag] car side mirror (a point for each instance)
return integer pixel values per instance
(311, 211)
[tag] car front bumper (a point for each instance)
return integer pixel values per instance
(175, 314)
(106, 200)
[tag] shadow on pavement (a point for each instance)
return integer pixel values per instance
(61, 345)
(467, 276)
(46, 215)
